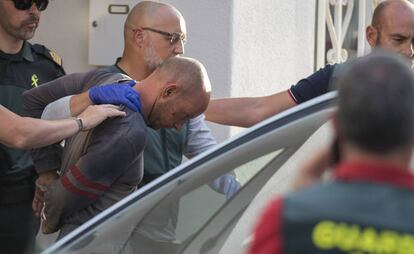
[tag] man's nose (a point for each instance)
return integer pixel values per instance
(34, 9)
(179, 48)
(409, 51)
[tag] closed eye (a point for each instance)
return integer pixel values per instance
(399, 39)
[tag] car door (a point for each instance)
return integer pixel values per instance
(180, 212)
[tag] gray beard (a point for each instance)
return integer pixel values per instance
(151, 58)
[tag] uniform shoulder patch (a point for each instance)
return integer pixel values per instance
(52, 55)
(55, 57)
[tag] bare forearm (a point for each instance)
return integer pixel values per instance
(78, 103)
(231, 111)
(33, 133)
(25, 132)
(245, 112)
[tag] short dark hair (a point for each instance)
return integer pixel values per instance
(376, 103)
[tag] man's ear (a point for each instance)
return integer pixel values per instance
(169, 90)
(139, 37)
(372, 35)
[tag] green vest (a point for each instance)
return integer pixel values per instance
(164, 151)
(349, 217)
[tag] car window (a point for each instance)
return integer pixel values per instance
(240, 238)
(192, 211)
(171, 224)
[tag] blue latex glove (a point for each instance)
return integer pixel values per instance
(226, 184)
(116, 93)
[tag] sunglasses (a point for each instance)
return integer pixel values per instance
(173, 37)
(27, 4)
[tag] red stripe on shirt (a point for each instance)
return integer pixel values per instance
(72, 188)
(83, 180)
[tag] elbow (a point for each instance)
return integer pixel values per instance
(23, 138)
(20, 142)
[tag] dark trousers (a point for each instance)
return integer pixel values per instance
(18, 224)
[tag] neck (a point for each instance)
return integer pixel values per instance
(134, 67)
(400, 158)
(147, 91)
(9, 44)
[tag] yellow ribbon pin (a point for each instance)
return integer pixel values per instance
(35, 79)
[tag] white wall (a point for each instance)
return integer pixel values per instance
(209, 27)
(273, 45)
(64, 29)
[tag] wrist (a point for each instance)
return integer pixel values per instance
(79, 122)
(46, 178)
(92, 95)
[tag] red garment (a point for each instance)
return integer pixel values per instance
(268, 232)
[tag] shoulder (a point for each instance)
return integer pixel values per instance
(324, 73)
(106, 75)
(340, 68)
(47, 53)
(129, 130)
(97, 77)
(320, 194)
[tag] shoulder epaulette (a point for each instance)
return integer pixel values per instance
(52, 55)
(55, 57)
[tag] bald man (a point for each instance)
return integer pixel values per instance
(391, 29)
(100, 167)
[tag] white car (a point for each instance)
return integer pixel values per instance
(180, 213)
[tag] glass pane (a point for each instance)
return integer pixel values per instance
(246, 171)
(169, 225)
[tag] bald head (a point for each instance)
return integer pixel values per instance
(392, 27)
(182, 90)
(392, 8)
(151, 14)
(153, 32)
(189, 73)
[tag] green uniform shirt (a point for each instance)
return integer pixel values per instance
(32, 66)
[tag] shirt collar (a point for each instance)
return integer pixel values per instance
(27, 52)
(116, 67)
(24, 53)
(375, 173)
